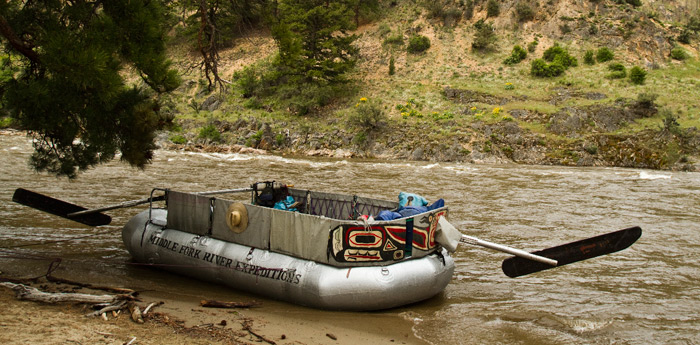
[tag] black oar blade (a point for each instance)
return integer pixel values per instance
(58, 207)
(573, 252)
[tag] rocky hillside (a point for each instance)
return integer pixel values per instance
(455, 103)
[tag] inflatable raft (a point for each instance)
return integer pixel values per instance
(316, 249)
(322, 253)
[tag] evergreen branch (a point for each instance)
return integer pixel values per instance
(16, 42)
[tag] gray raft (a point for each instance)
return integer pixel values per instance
(313, 257)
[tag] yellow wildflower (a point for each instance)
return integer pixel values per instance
(363, 99)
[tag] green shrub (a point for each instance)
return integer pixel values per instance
(392, 67)
(178, 139)
(360, 139)
(5, 122)
(565, 28)
(493, 9)
(209, 132)
(617, 70)
(693, 24)
(395, 40)
(566, 60)
(553, 51)
(484, 37)
(635, 3)
(589, 57)
(637, 75)
(301, 99)
(280, 139)
(556, 69)
(679, 53)
(559, 55)
(540, 68)
(671, 124)
(524, 12)
(684, 36)
(418, 44)
(252, 103)
(451, 16)
(367, 116)
(383, 29)
(247, 81)
(591, 149)
(592, 29)
(518, 54)
(532, 46)
(604, 54)
(468, 9)
(647, 100)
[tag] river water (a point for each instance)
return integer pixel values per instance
(646, 294)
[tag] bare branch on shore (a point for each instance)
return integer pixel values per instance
(152, 305)
(246, 326)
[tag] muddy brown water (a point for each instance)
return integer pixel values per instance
(647, 294)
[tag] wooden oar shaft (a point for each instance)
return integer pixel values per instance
(112, 207)
(226, 191)
(517, 252)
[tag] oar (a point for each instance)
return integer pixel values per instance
(59, 207)
(573, 252)
(509, 250)
(91, 217)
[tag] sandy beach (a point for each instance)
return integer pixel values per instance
(181, 322)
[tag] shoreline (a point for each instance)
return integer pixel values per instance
(163, 143)
(183, 321)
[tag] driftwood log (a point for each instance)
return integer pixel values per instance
(106, 302)
(29, 293)
(135, 312)
(223, 304)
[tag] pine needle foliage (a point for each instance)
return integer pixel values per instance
(70, 93)
(315, 51)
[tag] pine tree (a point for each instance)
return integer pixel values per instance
(313, 40)
(71, 93)
(315, 49)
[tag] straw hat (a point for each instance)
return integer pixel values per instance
(237, 217)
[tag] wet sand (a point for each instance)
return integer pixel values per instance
(182, 322)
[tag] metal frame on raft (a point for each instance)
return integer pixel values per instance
(319, 232)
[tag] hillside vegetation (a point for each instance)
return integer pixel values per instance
(565, 82)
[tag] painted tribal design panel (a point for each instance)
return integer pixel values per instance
(383, 242)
